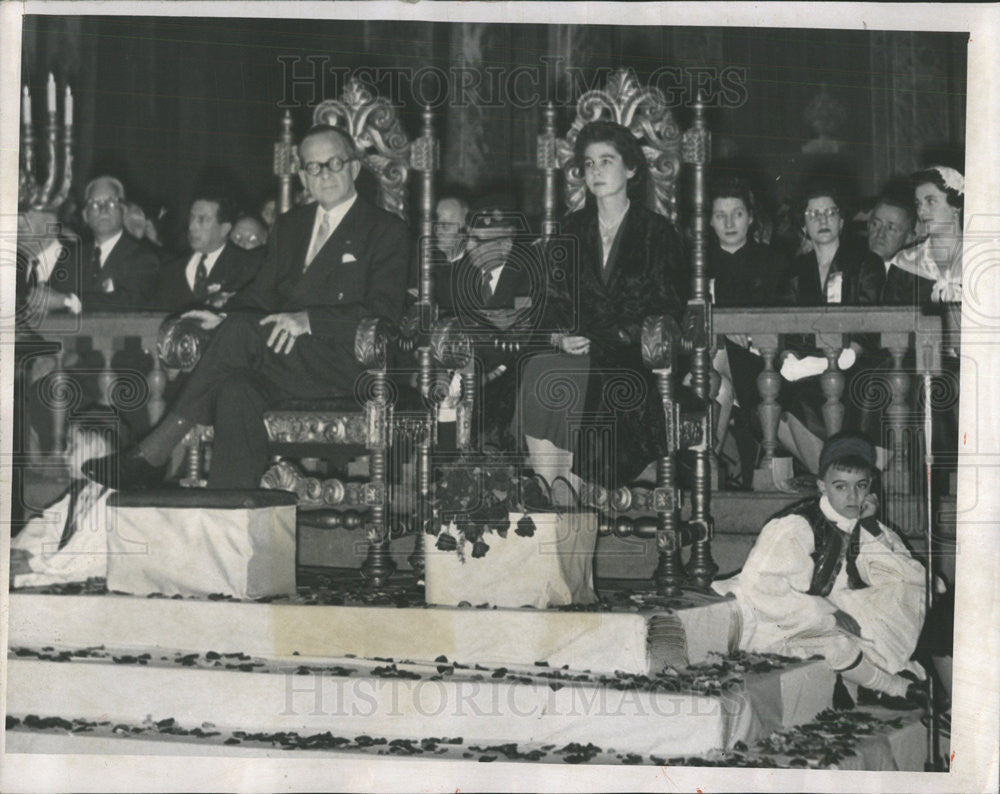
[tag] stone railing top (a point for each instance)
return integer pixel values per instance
(103, 324)
(897, 326)
(825, 319)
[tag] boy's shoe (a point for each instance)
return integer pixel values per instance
(914, 699)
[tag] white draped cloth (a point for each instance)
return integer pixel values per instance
(919, 261)
(779, 615)
(84, 555)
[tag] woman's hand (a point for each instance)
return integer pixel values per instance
(574, 345)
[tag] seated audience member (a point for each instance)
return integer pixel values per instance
(825, 577)
(891, 227)
(838, 270)
(497, 282)
(46, 281)
(249, 233)
(931, 272)
(216, 268)
(745, 273)
(49, 269)
(290, 333)
(68, 542)
(450, 217)
(119, 271)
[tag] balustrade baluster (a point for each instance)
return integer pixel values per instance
(768, 386)
(832, 384)
(900, 443)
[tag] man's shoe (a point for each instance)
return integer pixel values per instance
(127, 472)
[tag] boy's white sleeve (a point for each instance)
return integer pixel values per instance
(776, 577)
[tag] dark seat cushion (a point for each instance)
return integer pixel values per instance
(193, 498)
(406, 399)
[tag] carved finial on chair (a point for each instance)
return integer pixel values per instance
(373, 124)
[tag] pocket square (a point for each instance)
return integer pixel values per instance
(349, 258)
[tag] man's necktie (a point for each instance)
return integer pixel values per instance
(200, 288)
(485, 290)
(32, 277)
(322, 233)
(95, 260)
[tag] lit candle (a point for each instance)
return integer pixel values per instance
(50, 94)
(26, 107)
(69, 108)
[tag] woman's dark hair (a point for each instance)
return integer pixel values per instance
(934, 177)
(625, 144)
(821, 190)
(733, 187)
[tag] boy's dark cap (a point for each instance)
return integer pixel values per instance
(840, 447)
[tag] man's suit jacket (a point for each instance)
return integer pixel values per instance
(233, 270)
(132, 266)
(361, 271)
(457, 286)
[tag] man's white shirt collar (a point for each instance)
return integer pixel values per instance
(47, 261)
(108, 244)
(843, 523)
(335, 214)
(192, 266)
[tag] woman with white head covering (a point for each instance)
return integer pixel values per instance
(931, 271)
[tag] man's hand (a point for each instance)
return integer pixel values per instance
(574, 345)
(846, 623)
(48, 300)
(288, 327)
(207, 319)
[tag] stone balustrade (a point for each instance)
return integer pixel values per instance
(106, 333)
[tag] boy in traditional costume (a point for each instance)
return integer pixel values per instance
(825, 577)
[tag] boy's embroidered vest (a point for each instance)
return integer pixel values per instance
(828, 545)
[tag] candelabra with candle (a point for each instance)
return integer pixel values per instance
(44, 196)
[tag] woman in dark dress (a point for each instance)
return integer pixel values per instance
(744, 273)
(628, 265)
(838, 270)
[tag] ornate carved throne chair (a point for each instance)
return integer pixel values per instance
(387, 413)
(689, 425)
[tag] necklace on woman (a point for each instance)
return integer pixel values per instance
(610, 229)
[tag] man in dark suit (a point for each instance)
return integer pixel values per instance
(216, 268)
(290, 333)
(498, 283)
(119, 272)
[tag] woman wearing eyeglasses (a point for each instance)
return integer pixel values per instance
(836, 270)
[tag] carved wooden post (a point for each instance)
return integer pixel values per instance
(831, 383)
(696, 147)
(284, 163)
(370, 349)
(105, 346)
(156, 379)
(424, 158)
(452, 349)
(768, 386)
(897, 475)
(660, 339)
(547, 161)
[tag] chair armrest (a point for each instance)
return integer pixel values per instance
(661, 340)
(180, 342)
(372, 340)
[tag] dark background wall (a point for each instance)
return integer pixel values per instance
(166, 101)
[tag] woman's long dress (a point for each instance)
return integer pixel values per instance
(605, 405)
